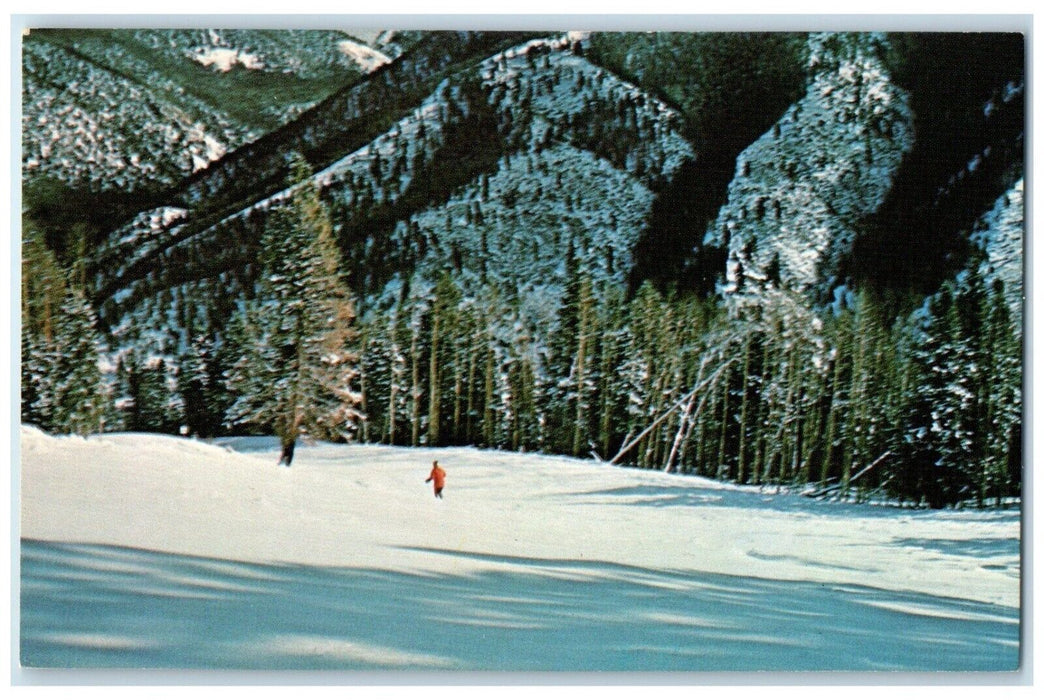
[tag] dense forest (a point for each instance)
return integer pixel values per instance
(529, 253)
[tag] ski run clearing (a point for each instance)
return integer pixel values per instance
(145, 551)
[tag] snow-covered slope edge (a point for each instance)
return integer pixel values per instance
(366, 506)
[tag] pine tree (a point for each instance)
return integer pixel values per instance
(582, 374)
(43, 284)
(145, 384)
(563, 345)
(76, 381)
(1002, 400)
(443, 327)
(199, 385)
(935, 432)
(43, 292)
(37, 393)
(297, 370)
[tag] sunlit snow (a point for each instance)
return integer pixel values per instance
(225, 59)
(142, 550)
(365, 57)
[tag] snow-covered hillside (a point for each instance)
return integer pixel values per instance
(122, 109)
(1000, 235)
(801, 189)
(580, 152)
(77, 121)
(140, 550)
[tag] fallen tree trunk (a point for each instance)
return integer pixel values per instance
(628, 446)
(842, 486)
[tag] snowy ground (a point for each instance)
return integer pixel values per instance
(148, 551)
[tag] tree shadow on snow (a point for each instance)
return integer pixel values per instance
(767, 498)
(92, 606)
(982, 548)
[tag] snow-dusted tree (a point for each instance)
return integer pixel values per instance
(419, 304)
(43, 289)
(145, 387)
(611, 341)
(944, 437)
(397, 386)
(297, 371)
(636, 375)
(1002, 355)
(446, 297)
(75, 378)
(199, 384)
(37, 394)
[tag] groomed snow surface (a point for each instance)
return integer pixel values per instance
(143, 551)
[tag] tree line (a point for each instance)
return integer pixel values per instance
(858, 400)
(923, 408)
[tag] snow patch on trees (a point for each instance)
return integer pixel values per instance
(801, 188)
(1000, 236)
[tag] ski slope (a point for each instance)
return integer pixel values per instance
(160, 552)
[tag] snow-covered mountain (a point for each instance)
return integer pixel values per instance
(502, 166)
(544, 234)
(128, 109)
(1001, 234)
(556, 154)
(798, 201)
(801, 190)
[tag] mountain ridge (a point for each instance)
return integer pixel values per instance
(534, 252)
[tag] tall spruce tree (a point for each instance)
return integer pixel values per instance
(43, 290)
(297, 371)
(937, 431)
(199, 386)
(1001, 468)
(76, 381)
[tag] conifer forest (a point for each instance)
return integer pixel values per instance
(780, 259)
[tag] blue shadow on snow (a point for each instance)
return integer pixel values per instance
(92, 606)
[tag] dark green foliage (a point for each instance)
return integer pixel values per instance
(731, 88)
(968, 98)
(146, 388)
(963, 411)
(58, 209)
(201, 385)
(62, 383)
(61, 346)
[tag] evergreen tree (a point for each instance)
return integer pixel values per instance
(937, 431)
(199, 384)
(43, 293)
(36, 373)
(43, 284)
(297, 371)
(76, 381)
(1002, 403)
(146, 387)
(440, 362)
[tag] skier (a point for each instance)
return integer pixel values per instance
(438, 475)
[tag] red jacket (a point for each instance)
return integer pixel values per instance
(438, 475)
